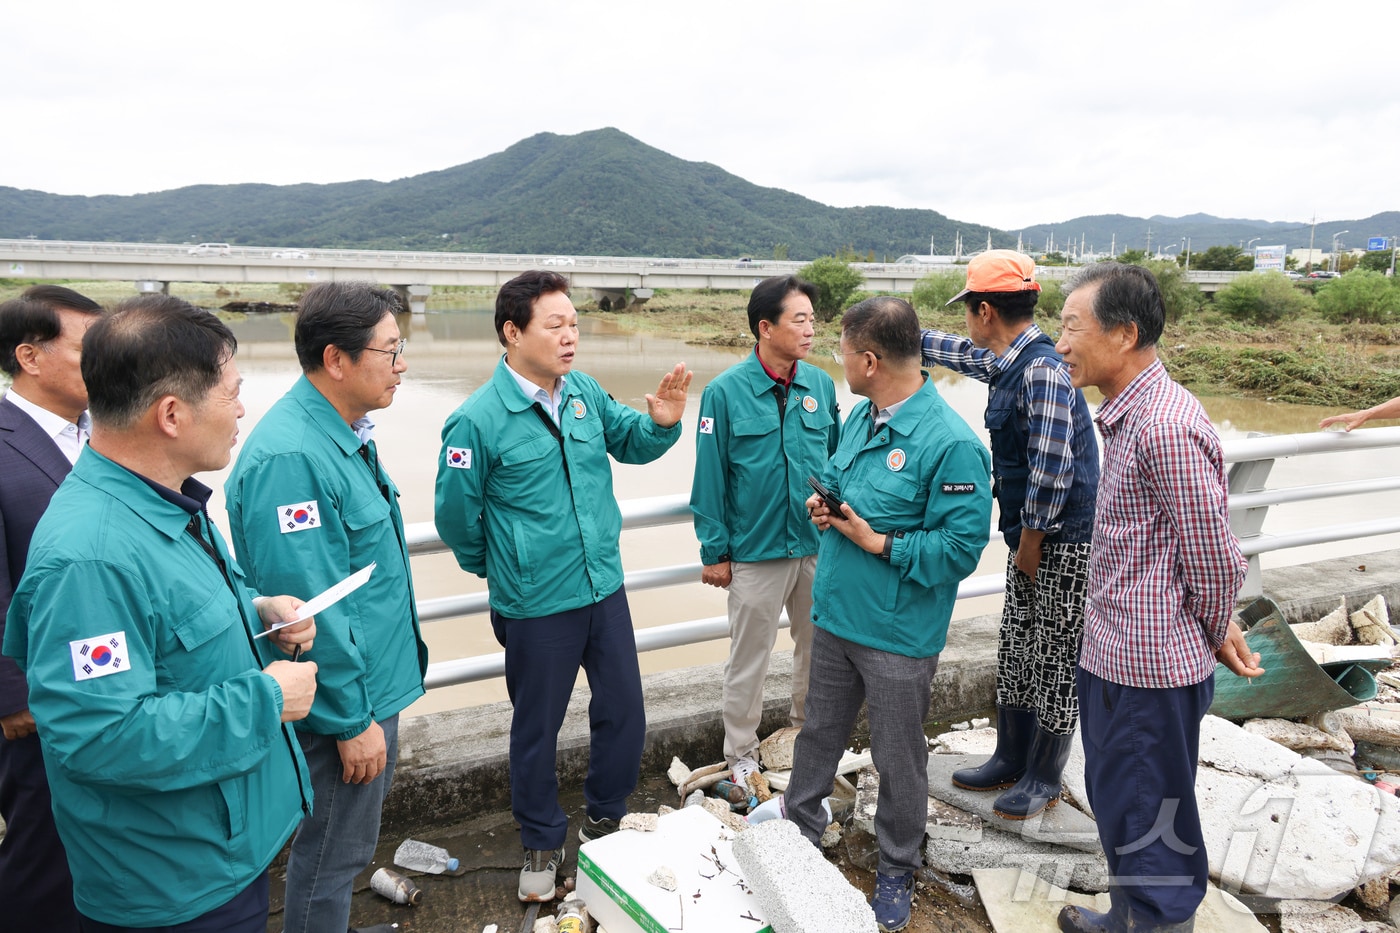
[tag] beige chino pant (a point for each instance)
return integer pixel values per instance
(758, 592)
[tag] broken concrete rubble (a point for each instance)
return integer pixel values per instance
(945, 821)
(1298, 916)
(796, 887)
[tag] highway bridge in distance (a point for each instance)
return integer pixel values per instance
(152, 266)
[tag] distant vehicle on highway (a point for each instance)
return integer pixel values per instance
(288, 254)
(664, 262)
(211, 249)
(559, 261)
(1292, 274)
(1324, 274)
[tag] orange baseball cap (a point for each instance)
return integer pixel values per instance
(999, 270)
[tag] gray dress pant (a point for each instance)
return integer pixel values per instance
(895, 690)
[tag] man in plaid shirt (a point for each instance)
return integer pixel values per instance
(1164, 572)
(1045, 460)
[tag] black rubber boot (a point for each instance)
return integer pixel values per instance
(1014, 730)
(1119, 919)
(1040, 788)
(1082, 920)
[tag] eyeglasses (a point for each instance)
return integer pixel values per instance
(394, 353)
(839, 356)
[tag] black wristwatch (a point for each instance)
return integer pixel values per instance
(889, 544)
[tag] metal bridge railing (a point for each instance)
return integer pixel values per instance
(1249, 463)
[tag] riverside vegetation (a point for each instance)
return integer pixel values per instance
(1339, 347)
(1330, 343)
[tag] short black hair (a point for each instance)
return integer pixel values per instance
(149, 347)
(885, 324)
(766, 300)
(1126, 295)
(515, 302)
(342, 315)
(1011, 306)
(33, 318)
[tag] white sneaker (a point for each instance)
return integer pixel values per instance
(537, 877)
(743, 767)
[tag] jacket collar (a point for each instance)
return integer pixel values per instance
(324, 415)
(135, 493)
(761, 383)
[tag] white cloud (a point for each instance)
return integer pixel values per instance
(1009, 115)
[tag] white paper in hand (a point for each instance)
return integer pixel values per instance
(333, 594)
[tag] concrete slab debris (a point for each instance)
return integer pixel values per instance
(1332, 629)
(1018, 901)
(945, 821)
(1060, 825)
(775, 752)
(1083, 871)
(798, 890)
(641, 822)
(1299, 736)
(1297, 916)
(720, 810)
(1281, 825)
(972, 742)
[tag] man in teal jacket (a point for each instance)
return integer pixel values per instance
(525, 499)
(766, 425)
(309, 502)
(915, 488)
(175, 779)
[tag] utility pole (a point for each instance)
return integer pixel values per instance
(1311, 237)
(1393, 247)
(1149, 241)
(1113, 246)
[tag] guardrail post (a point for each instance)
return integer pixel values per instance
(1250, 476)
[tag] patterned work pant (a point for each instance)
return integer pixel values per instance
(1041, 624)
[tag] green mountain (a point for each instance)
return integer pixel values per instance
(599, 193)
(596, 193)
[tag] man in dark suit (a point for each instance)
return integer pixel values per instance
(43, 427)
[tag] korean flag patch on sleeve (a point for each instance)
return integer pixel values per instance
(460, 458)
(707, 425)
(299, 516)
(98, 656)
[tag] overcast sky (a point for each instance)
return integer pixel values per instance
(1009, 113)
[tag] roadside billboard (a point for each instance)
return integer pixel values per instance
(1269, 258)
(1376, 243)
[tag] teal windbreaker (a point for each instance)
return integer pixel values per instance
(751, 465)
(369, 650)
(927, 475)
(530, 506)
(174, 781)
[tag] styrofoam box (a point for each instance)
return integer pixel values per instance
(613, 872)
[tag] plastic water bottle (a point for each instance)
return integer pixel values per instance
(573, 917)
(395, 887)
(420, 856)
(774, 808)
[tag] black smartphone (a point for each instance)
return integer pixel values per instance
(832, 500)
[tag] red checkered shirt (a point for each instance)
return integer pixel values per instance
(1164, 567)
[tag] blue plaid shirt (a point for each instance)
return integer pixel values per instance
(1046, 408)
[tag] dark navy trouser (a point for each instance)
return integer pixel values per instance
(1140, 751)
(245, 913)
(36, 890)
(543, 656)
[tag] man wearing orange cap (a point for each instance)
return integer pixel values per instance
(1045, 465)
